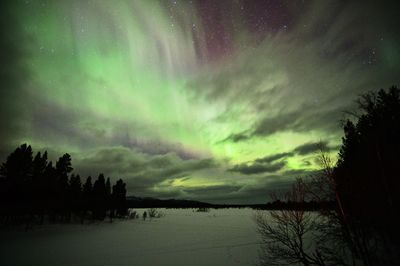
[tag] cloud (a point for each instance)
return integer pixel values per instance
(267, 164)
(312, 147)
(302, 79)
(257, 168)
(248, 193)
(262, 190)
(274, 157)
(237, 137)
(304, 119)
(159, 146)
(212, 190)
(142, 172)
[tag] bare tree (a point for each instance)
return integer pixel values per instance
(322, 186)
(346, 240)
(286, 233)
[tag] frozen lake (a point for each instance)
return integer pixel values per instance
(181, 237)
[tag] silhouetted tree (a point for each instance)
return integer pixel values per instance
(119, 198)
(108, 197)
(332, 231)
(17, 171)
(87, 187)
(367, 175)
(75, 193)
(75, 187)
(63, 165)
(63, 168)
(50, 177)
(87, 195)
(99, 195)
(108, 188)
(38, 176)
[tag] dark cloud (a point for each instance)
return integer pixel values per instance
(275, 162)
(274, 157)
(159, 146)
(237, 137)
(116, 161)
(142, 172)
(272, 184)
(257, 168)
(265, 164)
(303, 119)
(215, 190)
(269, 126)
(264, 191)
(313, 147)
(259, 192)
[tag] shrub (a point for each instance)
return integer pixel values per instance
(154, 213)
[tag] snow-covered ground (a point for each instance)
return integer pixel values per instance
(181, 237)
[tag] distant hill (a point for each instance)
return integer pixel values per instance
(137, 202)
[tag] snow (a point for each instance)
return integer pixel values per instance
(181, 237)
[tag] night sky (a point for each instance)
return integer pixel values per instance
(214, 100)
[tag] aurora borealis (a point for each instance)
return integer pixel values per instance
(220, 101)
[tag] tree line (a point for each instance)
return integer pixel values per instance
(32, 188)
(361, 225)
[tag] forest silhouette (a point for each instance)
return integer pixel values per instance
(32, 189)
